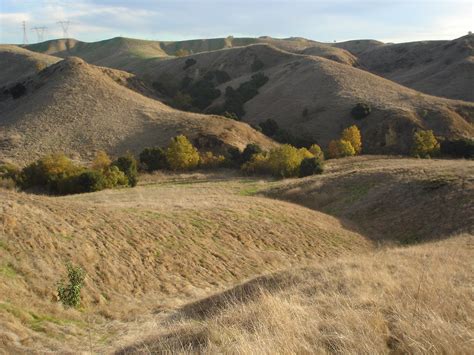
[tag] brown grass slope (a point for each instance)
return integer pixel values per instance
(78, 108)
(17, 63)
(125, 53)
(328, 90)
(145, 250)
(413, 300)
(118, 52)
(441, 68)
(398, 200)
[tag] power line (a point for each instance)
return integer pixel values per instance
(40, 30)
(65, 27)
(25, 37)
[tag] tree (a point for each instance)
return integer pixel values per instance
(340, 148)
(317, 152)
(285, 160)
(250, 150)
(310, 166)
(70, 294)
(360, 111)
(128, 165)
(153, 159)
(352, 135)
(101, 161)
(425, 144)
(181, 154)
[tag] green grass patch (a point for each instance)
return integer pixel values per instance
(8, 270)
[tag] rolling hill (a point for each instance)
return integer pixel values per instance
(312, 96)
(441, 68)
(18, 63)
(78, 108)
(209, 262)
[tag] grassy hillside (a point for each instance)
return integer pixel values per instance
(78, 108)
(401, 200)
(17, 64)
(441, 68)
(146, 251)
(159, 256)
(313, 96)
(404, 300)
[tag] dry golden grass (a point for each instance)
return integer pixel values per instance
(415, 300)
(204, 262)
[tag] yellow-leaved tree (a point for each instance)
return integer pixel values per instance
(181, 154)
(101, 161)
(353, 136)
(317, 152)
(285, 160)
(425, 144)
(340, 148)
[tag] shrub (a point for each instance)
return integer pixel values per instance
(310, 166)
(250, 150)
(189, 63)
(458, 148)
(340, 148)
(258, 164)
(114, 177)
(101, 161)
(70, 293)
(425, 144)
(203, 93)
(48, 172)
(17, 91)
(210, 161)
(269, 127)
(86, 181)
(305, 112)
(181, 155)
(285, 160)
(10, 171)
(317, 152)
(360, 111)
(231, 115)
(352, 135)
(128, 165)
(153, 159)
(234, 156)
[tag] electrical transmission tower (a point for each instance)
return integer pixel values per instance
(40, 30)
(25, 37)
(65, 27)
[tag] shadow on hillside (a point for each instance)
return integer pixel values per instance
(387, 208)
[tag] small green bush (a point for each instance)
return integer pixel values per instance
(153, 159)
(311, 166)
(128, 165)
(86, 181)
(425, 144)
(17, 91)
(70, 293)
(360, 111)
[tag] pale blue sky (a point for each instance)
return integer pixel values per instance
(321, 20)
